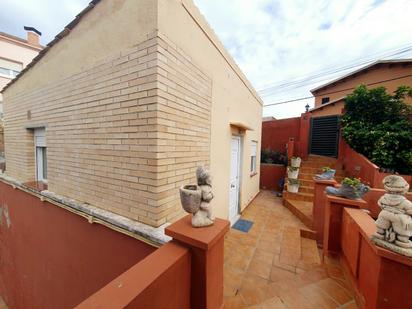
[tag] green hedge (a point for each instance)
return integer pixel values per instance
(378, 125)
(274, 157)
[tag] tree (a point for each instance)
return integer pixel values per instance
(378, 125)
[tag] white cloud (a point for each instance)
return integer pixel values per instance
(273, 41)
(278, 41)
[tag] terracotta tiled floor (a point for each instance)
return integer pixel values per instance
(271, 266)
(3, 304)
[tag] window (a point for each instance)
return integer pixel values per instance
(41, 154)
(253, 158)
(9, 69)
(325, 100)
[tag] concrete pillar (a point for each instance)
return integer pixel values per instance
(319, 204)
(207, 250)
(333, 221)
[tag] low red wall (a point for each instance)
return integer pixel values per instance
(270, 174)
(52, 258)
(161, 280)
(381, 278)
(276, 133)
(357, 165)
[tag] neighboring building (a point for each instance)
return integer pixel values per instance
(15, 54)
(329, 98)
(123, 105)
(268, 118)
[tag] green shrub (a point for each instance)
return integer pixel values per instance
(377, 125)
(352, 182)
(274, 157)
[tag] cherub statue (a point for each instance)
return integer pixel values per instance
(196, 199)
(394, 224)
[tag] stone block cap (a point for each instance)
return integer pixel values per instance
(200, 237)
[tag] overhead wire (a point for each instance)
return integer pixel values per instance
(269, 91)
(333, 92)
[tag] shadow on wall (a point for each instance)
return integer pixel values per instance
(52, 258)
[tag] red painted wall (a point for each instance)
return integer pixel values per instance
(357, 165)
(52, 258)
(270, 174)
(276, 133)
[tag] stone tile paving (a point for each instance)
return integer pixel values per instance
(271, 266)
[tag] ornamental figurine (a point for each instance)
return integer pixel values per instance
(394, 224)
(196, 199)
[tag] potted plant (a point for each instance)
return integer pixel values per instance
(293, 185)
(351, 188)
(293, 172)
(327, 173)
(295, 161)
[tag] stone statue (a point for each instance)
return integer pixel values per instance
(394, 224)
(196, 199)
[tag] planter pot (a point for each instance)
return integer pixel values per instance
(295, 162)
(326, 175)
(293, 174)
(190, 197)
(348, 192)
(293, 188)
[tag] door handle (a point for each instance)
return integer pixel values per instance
(232, 186)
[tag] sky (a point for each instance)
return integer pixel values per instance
(285, 48)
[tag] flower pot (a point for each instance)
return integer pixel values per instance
(293, 188)
(348, 192)
(293, 174)
(326, 175)
(190, 197)
(295, 162)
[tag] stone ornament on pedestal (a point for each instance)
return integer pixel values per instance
(327, 174)
(394, 224)
(196, 199)
(351, 188)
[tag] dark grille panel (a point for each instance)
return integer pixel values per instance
(324, 136)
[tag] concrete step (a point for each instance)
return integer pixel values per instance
(318, 170)
(300, 196)
(306, 176)
(301, 209)
(306, 189)
(316, 158)
(310, 256)
(305, 183)
(321, 164)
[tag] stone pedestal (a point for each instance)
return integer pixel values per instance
(333, 222)
(319, 205)
(207, 247)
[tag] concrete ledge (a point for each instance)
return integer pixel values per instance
(141, 231)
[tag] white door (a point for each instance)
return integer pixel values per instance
(234, 180)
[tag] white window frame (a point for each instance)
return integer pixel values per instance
(253, 157)
(40, 150)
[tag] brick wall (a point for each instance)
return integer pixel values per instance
(123, 135)
(1, 137)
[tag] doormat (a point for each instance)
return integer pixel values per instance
(243, 225)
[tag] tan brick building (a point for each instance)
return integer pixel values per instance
(125, 103)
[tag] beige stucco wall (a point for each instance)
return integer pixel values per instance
(232, 99)
(390, 76)
(16, 51)
(327, 110)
